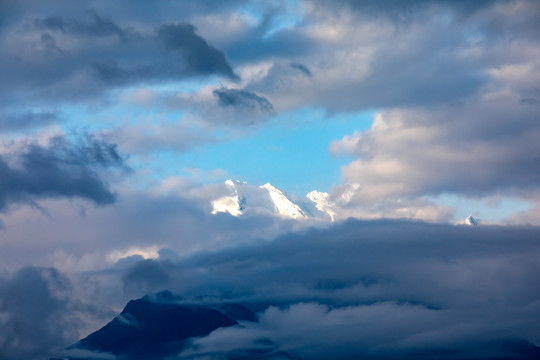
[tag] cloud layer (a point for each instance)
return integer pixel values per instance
(379, 289)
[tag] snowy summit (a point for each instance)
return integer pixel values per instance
(470, 221)
(268, 199)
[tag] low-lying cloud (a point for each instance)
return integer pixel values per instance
(377, 289)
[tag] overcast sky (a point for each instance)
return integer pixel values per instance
(120, 122)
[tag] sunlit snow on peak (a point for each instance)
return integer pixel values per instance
(242, 198)
(323, 203)
(282, 204)
(233, 204)
(469, 221)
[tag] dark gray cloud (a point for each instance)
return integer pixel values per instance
(188, 53)
(61, 169)
(243, 99)
(94, 26)
(343, 264)
(364, 60)
(379, 289)
(531, 97)
(201, 57)
(58, 58)
(146, 276)
(358, 73)
(302, 68)
(38, 313)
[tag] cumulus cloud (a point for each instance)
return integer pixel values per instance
(469, 152)
(482, 146)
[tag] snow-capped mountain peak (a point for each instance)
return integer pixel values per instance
(233, 204)
(323, 203)
(470, 221)
(282, 204)
(241, 198)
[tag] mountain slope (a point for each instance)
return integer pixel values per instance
(156, 326)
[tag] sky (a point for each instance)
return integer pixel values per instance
(121, 121)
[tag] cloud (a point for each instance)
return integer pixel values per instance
(177, 216)
(218, 107)
(380, 289)
(26, 120)
(455, 87)
(377, 289)
(472, 138)
(484, 146)
(39, 314)
(59, 169)
(56, 58)
(361, 73)
(146, 276)
(377, 331)
(399, 10)
(94, 26)
(356, 65)
(244, 99)
(302, 68)
(201, 57)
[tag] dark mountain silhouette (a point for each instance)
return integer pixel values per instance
(158, 325)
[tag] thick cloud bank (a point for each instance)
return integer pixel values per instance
(383, 289)
(378, 289)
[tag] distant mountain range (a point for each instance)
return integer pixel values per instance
(244, 198)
